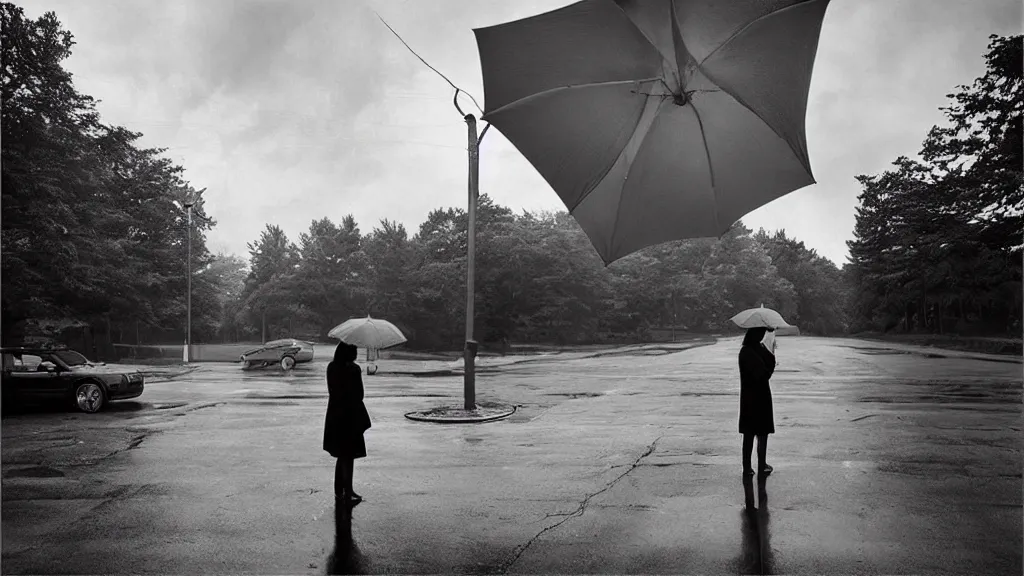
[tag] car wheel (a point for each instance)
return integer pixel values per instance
(89, 397)
(287, 362)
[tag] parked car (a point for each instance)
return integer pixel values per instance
(47, 375)
(286, 352)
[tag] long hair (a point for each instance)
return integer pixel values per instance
(754, 336)
(345, 353)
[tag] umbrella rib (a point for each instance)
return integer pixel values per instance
(380, 339)
(802, 159)
(748, 25)
(618, 207)
(804, 162)
(711, 167)
(567, 87)
(646, 36)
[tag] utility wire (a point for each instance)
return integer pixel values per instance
(452, 84)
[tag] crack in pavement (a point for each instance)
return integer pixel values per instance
(142, 433)
(132, 444)
(582, 507)
(204, 405)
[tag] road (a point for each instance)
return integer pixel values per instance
(888, 459)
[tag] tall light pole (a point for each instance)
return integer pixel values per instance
(470, 349)
(188, 298)
(190, 201)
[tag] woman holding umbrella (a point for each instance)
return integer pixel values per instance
(347, 419)
(757, 364)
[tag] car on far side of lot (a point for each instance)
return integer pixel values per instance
(34, 375)
(286, 352)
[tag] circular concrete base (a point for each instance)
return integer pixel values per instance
(485, 412)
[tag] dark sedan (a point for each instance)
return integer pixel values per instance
(43, 376)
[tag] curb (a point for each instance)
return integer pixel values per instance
(425, 416)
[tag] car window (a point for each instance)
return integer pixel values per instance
(71, 358)
(26, 362)
(46, 365)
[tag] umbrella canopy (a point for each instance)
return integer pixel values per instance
(760, 318)
(657, 120)
(368, 333)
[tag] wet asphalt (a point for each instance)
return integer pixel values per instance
(888, 459)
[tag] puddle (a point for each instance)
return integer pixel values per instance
(283, 396)
(410, 395)
(169, 406)
(894, 352)
(34, 472)
(433, 374)
(575, 395)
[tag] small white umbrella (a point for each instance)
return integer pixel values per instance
(760, 318)
(368, 333)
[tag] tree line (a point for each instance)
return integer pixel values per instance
(538, 279)
(95, 233)
(938, 239)
(94, 230)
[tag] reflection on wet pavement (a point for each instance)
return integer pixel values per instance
(755, 558)
(346, 558)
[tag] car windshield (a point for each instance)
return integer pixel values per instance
(279, 343)
(71, 358)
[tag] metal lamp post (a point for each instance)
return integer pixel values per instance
(470, 349)
(188, 300)
(189, 203)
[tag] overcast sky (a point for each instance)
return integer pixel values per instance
(289, 111)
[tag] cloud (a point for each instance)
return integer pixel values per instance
(289, 111)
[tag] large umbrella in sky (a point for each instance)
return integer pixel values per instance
(657, 120)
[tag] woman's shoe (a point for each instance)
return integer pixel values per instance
(748, 471)
(354, 498)
(766, 470)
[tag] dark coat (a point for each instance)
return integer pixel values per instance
(756, 367)
(347, 418)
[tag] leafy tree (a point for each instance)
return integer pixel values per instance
(820, 292)
(332, 272)
(388, 256)
(937, 241)
(268, 298)
(92, 230)
(739, 274)
(227, 273)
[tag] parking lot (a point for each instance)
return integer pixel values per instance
(888, 459)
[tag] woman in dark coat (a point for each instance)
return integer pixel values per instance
(757, 364)
(346, 420)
